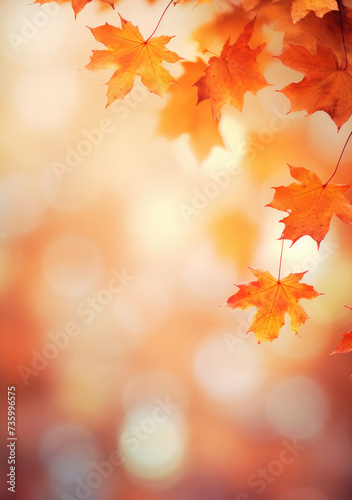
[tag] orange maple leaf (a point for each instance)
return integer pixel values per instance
(228, 77)
(131, 56)
(191, 119)
(312, 29)
(273, 299)
(311, 205)
(345, 344)
(77, 5)
(300, 8)
(325, 87)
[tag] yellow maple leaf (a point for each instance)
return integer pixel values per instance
(131, 56)
(273, 299)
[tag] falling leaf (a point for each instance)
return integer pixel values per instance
(77, 5)
(131, 56)
(345, 344)
(228, 77)
(191, 119)
(311, 205)
(325, 87)
(312, 29)
(273, 299)
(300, 8)
(212, 35)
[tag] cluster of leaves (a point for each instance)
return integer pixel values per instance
(316, 44)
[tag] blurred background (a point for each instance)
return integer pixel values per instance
(122, 232)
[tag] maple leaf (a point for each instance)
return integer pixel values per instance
(191, 119)
(228, 77)
(312, 29)
(311, 205)
(325, 87)
(300, 8)
(273, 299)
(132, 56)
(212, 35)
(345, 344)
(77, 5)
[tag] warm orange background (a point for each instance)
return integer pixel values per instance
(160, 335)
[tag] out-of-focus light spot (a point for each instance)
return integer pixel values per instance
(228, 370)
(185, 159)
(154, 385)
(21, 205)
(158, 224)
(85, 387)
(298, 408)
(153, 296)
(126, 316)
(309, 345)
(76, 190)
(234, 135)
(67, 452)
(46, 98)
(115, 329)
(30, 34)
(153, 441)
(304, 494)
(205, 275)
(72, 265)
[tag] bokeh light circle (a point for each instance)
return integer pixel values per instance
(153, 441)
(72, 265)
(67, 452)
(21, 205)
(298, 408)
(46, 99)
(228, 371)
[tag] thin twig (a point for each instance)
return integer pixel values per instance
(338, 163)
(162, 15)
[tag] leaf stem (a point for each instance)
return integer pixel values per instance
(281, 254)
(342, 33)
(162, 15)
(339, 160)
